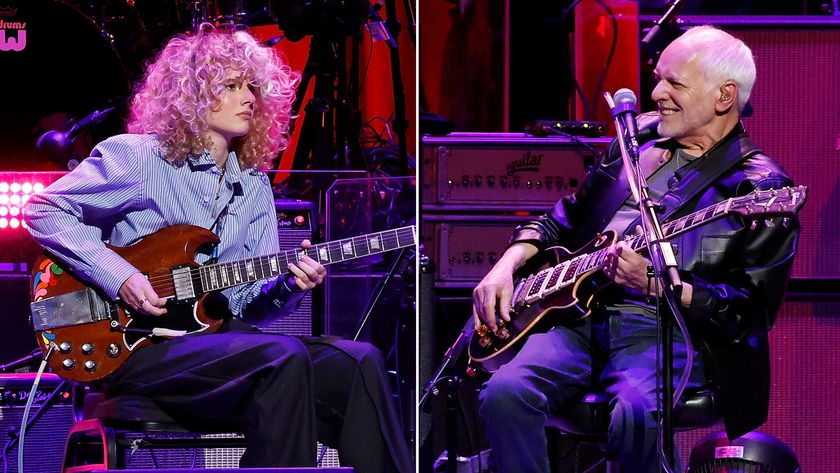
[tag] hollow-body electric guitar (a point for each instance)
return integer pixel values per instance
(565, 283)
(93, 335)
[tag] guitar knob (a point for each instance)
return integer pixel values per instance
(114, 350)
(502, 333)
(90, 366)
(87, 348)
(65, 347)
(485, 341)
(68, 363)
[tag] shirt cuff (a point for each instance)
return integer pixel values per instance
(110, 273)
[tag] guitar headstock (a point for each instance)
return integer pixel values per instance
(784, 201)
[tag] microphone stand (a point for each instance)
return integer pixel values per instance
(664, 264)
(452, 386)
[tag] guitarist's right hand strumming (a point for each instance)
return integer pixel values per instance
(138, 293)
(495, 291)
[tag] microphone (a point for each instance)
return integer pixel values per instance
(647, 42)
(57, 144)
(625, 111)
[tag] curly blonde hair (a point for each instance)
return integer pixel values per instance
(186, 81)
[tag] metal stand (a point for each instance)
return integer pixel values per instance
(451, 386)
(662, 257)
(400, 119)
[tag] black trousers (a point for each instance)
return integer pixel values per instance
(285, 391)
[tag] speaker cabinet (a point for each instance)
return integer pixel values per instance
(297, 220)
(796, 118)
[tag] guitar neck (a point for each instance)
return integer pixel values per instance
(218, 276)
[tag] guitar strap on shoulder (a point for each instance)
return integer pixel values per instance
(701, 173)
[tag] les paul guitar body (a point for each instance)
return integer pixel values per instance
(570, 304)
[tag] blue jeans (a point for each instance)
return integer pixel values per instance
(611, 351)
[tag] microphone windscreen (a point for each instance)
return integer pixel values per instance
(625, 96)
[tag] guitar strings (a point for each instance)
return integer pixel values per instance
(165, 285)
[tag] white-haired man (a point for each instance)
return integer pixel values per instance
(734, 276)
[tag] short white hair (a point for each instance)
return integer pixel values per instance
(722, 57)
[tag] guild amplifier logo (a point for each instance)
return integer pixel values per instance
(528, 162)
(12, 33)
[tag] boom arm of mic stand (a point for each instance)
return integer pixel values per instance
(662, 255)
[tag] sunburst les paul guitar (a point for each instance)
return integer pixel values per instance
(564, 284)
(93, 335)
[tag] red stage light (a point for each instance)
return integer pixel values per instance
(26, 187)
(14, 223)
(4, 199)
(14, 187)
(4, 222)
(37, 187)
(4, 187)
(4, 211)
(15, 199)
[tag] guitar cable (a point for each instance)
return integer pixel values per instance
(29, 401)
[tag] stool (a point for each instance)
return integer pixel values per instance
(96, 442)
(587, 420)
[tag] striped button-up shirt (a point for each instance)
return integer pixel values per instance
(125, 191)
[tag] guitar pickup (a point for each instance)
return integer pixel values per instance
(73, 308)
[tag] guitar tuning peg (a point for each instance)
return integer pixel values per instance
(769, 222)
(754, 225)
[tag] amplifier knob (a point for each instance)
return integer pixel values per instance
(516, 181)
(68, 363)
(479, 257)
(65, 347)
(87, 348)
(491, 181)
(478, 180)
(90, 366)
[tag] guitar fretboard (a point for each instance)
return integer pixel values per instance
(774, 201)
(223, 275)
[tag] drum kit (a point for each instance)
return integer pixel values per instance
(67, 67)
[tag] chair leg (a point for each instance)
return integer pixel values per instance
(82, 436)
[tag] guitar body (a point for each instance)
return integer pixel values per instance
(489, 350)
(90, 351)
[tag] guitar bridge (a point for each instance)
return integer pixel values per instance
(73, 308)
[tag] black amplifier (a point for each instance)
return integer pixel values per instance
(507, 171)
(46, 435)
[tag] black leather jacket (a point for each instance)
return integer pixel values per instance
(738, 274)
